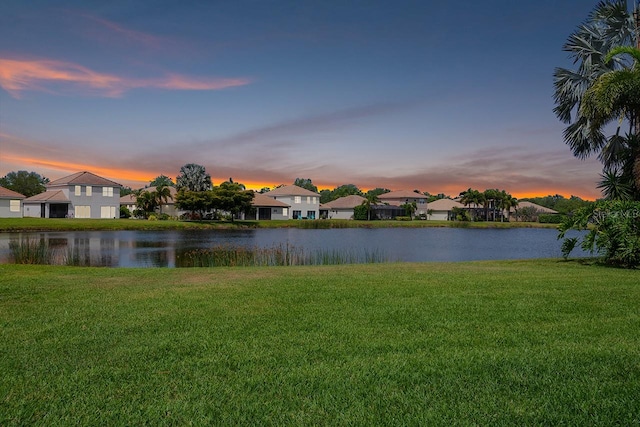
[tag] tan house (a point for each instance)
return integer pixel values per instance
(10, 203)
(442, 209)
(401, 197)
(303, 204)
(342, 208)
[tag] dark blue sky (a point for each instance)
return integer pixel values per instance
(436, 96)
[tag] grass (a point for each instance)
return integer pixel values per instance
(51, 224)
(538, 342)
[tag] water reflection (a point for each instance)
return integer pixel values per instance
(163, 248)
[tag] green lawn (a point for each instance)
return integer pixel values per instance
(52, 224)
(537, 342)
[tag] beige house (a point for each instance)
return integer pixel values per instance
(401, 197)
(169, 207)
(532, 211)
(10, 203)
(267, 208)
(442, 209)
(342, 208)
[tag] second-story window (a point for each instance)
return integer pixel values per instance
(78, 190)
(89, 190)
(107, 191)
(297, 199)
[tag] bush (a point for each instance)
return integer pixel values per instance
(152, 217)
(614, 231)
(125, 212)
(403, 218)
(551, 218)
(360, 213)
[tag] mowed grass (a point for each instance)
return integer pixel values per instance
(537, 342)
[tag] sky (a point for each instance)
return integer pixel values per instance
(438, 96)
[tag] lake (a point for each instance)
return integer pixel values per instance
(160, 248)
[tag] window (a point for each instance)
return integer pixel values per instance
(297, 199)
(107, 211)
(14, 206)
(314, 200)
(89, 190)
(83, 212)
(311, 214)
(78, 190)
(297, 214)
(107, 191)
(308, 199)
(285, 211)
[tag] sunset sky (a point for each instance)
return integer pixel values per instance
(437, 96)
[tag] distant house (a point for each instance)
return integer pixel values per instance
(342, 208)
(266, 208)
(168, 207)
(303, 204)
(442, 209)
(10, 203)
(81, 195)
(401, 197)
(529, 211)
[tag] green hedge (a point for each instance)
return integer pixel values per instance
(551, 218)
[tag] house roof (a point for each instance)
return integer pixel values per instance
(346, 202)
(401, 194)
(266, 201)
(83, 178)
(444, 205)
(129, 199)
(5, 193)
(541, 209)
(48, 196)
(291, 190)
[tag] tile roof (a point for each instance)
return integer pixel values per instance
(541, 209)
(48, 196)
(346, 202)
(5, 193)
(402, 194)
(291, 190)
(444, 205)
(266, 201)
(83, 178)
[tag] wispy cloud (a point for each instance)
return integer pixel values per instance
(52, 76)
(139, 37)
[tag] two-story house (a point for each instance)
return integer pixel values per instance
(81, 195)
(303, 204)
(401, 197)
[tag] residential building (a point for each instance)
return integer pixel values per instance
(442, 209)
(401, 197)
(10, 203)
(529, 211)
(342, 208)
(168, 206)
(267, 208)
(81, 195)
(303, 204)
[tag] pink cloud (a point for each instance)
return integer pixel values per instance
(17, 76)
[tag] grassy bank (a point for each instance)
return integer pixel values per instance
(539, 342)
(50, 224)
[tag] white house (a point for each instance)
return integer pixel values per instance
(10, 203)
(302, 203)
(267, 208)
(81, 195)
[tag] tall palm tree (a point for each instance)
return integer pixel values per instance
(370, 199)
(601, 73)
(508, 202)
(614, 186)
(472, 197)
(161, 194)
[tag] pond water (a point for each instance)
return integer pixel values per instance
(160, 248)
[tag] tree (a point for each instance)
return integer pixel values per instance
(305, 183)
(472, 197)
(161, 194)
(378, 191)
(196, 202)
(370, 199)
(231, 197)
(26, 183)
(614, 186)
(162, 181)
(146, 203)
(508, 202)
(603, 88)
(193, 177)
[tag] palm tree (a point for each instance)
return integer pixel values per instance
(602, 88)
(614, 186)
(369, 200)
(508, 202)
(474, 197)
(161, 194)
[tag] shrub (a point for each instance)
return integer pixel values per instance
(360, 213)
(403, 218)
(551, 218)
(614, 231)
(152, 217)
(125, 212)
